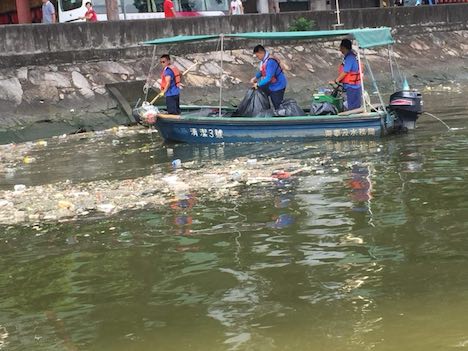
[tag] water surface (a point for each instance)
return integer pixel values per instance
(369, 253)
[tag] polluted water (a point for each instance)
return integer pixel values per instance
(70, 200)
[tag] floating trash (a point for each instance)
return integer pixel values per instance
(5, 203)
(106, 208)
(42, 143)
(251, 162)
(176, 164)
(28, 159)
(66, 200)
(66, 205)
(236, 176)
(19, 187)
(281, 175)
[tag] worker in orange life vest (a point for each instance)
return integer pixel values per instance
(350, 76)
(270, 78)
(170, 85)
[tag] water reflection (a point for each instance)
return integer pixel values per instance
(282, 199)
(182, 208)
(360, 184)
(361, 189)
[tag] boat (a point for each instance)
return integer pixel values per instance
(219, 124)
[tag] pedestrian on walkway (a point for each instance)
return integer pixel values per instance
(273, 6)
(90, 15)
(169, 11)
(48, 12)
(236, 7)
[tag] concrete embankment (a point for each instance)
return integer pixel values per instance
(66, 89)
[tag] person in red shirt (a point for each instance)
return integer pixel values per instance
(169, 10)
(90, 15)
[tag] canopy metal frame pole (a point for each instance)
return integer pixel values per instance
(390, 54)
(338, 19)
(221, 36)
(146, 87)
(374, 82)
(362, 80)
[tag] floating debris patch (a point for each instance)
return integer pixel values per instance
(65, 201)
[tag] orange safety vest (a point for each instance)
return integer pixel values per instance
(353, 78)
(177, 76)
(263, 69)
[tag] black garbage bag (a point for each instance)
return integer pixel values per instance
(266, 113)
(287, 108)
(254, 102)
(323, 108)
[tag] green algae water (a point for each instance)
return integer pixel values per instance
(369, 253)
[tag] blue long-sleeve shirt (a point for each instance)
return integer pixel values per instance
(272, 70)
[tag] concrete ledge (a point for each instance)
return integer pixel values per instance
(22, 45)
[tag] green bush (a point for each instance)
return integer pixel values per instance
(302, 24)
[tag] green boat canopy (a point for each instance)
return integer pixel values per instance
(365, 37)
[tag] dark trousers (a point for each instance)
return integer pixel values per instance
(276, 97)
(173, 105)
(354, 98)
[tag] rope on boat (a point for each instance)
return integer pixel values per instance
(373, 82)
(146, 86)
(400, 75)
(440, 120)
(390, 55)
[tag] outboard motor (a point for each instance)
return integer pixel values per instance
(407, 106)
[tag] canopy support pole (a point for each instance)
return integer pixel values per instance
(146, 87)
(221, 75)
(362, 80)
(374, 82)
(390, 54)
(338, 18)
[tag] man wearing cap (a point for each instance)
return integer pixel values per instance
(270, 77)
(350, 76)
(170, 85)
